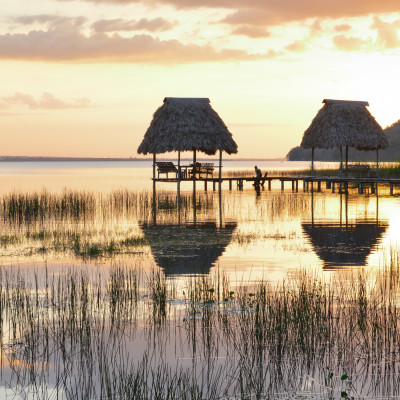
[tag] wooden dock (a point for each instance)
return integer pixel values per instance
(308, 183)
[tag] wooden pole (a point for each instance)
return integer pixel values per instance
(377, 163)
(194, 202)
(154, 172)
(312, 161)
(154, 189)
(194, 183)
(220, 169)
(179, 174)
(312, 207)
(347, 156)
(194, 164)
(341, 161)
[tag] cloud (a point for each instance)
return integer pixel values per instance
(273, 12)
(387, 33)
(47, 102)
(297, 46)
(348, 43)
(52, 21)
(387, 37)
(67, 44)
(342, 28)
(251, 31)
(122, 25)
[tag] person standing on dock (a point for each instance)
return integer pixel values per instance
(258, 177)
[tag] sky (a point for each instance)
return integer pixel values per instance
(83, 78)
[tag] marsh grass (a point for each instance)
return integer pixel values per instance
(74, 335)
(93, 226)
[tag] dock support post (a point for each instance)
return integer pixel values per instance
(292, 186)
(297, 185)
(391, 189)
(360, 188)
(304, 185)
(230, 184)
(319, 186)
(373, 187)
(346, 186)
(282, 185)
(205, 186)
(214, 185)
(328, 184)
(239, 184)
(333, 187)
(269, 184)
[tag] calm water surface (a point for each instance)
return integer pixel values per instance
(261, 235)
(107, 288)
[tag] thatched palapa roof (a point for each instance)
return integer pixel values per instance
(187, 124)
(344, 123)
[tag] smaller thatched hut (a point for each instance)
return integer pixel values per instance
(187, 124)
(343, 123)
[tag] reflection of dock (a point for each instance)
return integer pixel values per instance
(307, 183)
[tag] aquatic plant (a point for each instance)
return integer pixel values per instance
(76, 335)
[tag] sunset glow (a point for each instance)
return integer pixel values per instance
(83, 78)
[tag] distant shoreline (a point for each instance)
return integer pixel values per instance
(55, 159)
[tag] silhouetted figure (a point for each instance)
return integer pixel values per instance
(258, 177)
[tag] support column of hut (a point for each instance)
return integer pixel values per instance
(179, 178)
(312, 161)
(220, 169)
(377, 164)
(154, 171)
(194, 171)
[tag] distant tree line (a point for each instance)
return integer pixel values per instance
(392, 153)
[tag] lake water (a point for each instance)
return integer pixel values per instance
(295, 294)
(270, 234)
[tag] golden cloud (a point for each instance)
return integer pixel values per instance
(66, 44)
(272, 12)
(251, 31)
(122, 25)
(48, 102)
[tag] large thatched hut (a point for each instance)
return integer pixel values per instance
(342, 123)
(187, 124)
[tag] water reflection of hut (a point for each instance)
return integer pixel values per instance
(340, 245)
(187, 249)
(344, 123)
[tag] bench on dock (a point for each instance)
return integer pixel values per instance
(360, 170)
(164, 167)
(200, 169)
